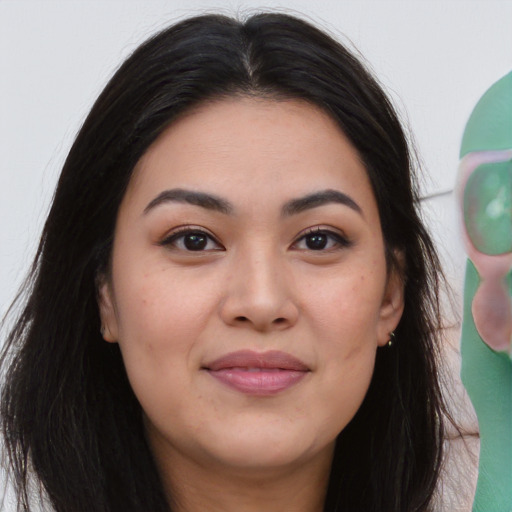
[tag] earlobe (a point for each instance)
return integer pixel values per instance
(107, 311)
(392, 306)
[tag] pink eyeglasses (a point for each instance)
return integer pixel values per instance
(484, 194)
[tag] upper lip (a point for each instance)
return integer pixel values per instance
(252, 359)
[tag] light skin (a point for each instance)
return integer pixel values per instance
(250, 224)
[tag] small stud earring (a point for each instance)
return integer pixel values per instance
(391, 338)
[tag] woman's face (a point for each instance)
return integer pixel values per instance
(249, 290)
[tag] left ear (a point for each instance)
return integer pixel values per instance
(392, 305)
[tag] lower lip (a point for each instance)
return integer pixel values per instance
(260, 382)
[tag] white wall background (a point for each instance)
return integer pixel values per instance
(435, 58)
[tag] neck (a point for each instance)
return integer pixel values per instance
(193, 487)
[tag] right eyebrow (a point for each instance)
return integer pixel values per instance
(179, 195)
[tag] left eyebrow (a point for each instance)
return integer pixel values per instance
(317, 199)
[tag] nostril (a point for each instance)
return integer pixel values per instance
(279, 320)
(241, 319)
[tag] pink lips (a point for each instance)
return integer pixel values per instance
(256, 373)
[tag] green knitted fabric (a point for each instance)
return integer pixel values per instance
(487, 376)
(490, 124)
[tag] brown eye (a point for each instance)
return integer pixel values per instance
(195, 241)
(316, 242)
(321, 240)
(191, 240)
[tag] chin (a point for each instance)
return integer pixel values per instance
(256, 450)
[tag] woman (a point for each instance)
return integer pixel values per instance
(234, 302)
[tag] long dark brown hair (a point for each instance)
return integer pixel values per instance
(69, 417)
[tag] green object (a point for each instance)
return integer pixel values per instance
(487, 376)
(490, 124)
(488, 208)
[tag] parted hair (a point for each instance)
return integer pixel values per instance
(72, 426)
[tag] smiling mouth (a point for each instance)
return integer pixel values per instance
(254, 373)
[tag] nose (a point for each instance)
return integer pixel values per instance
(259, 294)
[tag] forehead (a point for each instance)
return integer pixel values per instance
(234, 145)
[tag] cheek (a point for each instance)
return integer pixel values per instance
(158, 307)
(160, 323)
(347, 307)
(345, 318)
(346, 376)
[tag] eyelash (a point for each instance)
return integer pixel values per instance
(181, 233)
(338, 241)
